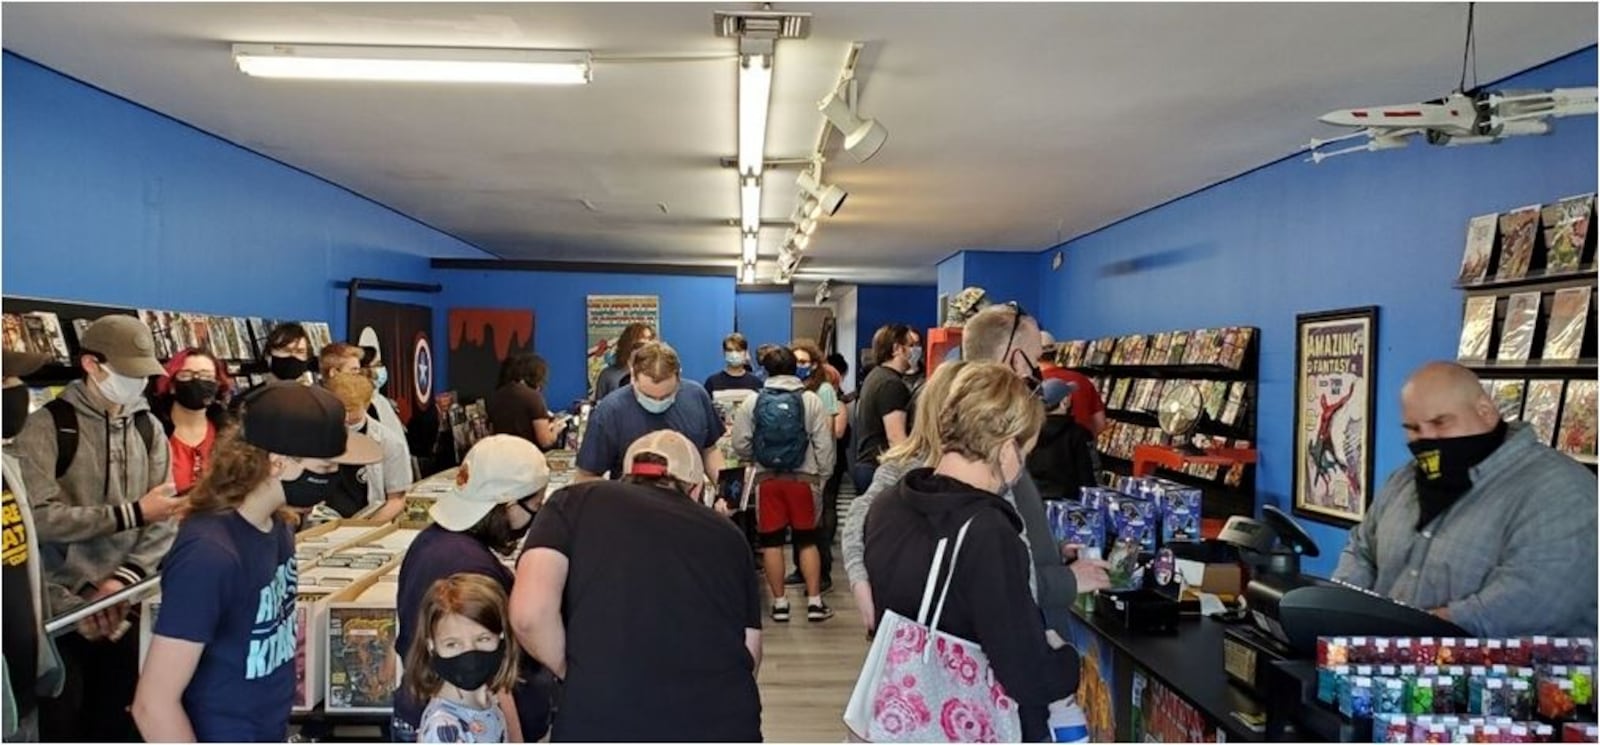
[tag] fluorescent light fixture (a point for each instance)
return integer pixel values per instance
(749, 246)
(749, 204)
(755, 91)
(418, 64)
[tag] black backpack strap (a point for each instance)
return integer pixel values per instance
(66, 420)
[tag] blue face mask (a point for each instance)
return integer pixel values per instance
(734, 359)
(802, 371)
(611, 357)
(655, 405)
(914, 356)
(380, 377)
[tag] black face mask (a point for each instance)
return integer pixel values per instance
(288, 368)
(310, 490)
(13, 410)
(1444, 468)
(469, 671)
(194, 394)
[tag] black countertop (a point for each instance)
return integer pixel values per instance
(1190, 663)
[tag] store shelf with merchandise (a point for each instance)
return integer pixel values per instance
(1529, 292)
(1135, 374)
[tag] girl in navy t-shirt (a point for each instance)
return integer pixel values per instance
(461, 662)
(221, 665)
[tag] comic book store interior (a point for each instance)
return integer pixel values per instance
(818, 372)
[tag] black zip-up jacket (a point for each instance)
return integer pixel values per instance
(1062, 461)
(989, 602)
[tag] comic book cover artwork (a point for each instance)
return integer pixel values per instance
(1542, 407)
(1477, 328)
(1508, 398)
(1518, 233)
(55, 339)
(1569, 314)
(361, 658)
(1516, 337)
(1333, 420)
(1480, 248)
(1566, 231)
(1577, 435)
(607, 316)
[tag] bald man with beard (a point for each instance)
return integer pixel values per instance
(1487, 527)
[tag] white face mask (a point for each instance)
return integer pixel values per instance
(120, 389)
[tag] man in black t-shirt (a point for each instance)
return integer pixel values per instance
(518, 407)
(33, 669)
(736, 373)
(659, 636)
(881, 411)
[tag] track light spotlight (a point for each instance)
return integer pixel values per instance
(862, 137)
(788, 261)
(828, 196)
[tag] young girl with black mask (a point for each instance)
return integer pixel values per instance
(221, 665)
(188, 403)
(498, 487)
(462, 661)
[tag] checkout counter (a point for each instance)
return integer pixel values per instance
(1166, 673)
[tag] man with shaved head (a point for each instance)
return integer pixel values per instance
(1487, 527)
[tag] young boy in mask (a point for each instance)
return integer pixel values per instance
(95, 465)
(33, 669)
(499, 488)
(1488, 528)
(736, 373)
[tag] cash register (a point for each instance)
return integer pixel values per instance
(1285, 611)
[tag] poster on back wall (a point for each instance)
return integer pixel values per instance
(480, 340)
(404, 336)
(608, 315)
(1334, 364)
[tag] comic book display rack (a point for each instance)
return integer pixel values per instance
(1528, 318)
(1134, 373)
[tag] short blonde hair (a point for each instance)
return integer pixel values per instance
(656, 359)
(921, 446)
(985, 336)
(354, 391)
(988, 406)
(335, 353)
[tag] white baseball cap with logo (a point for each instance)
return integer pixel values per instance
(498, 470)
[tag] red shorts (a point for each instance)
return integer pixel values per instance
(785, 503)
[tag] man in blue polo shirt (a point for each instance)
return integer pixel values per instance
(658, 398)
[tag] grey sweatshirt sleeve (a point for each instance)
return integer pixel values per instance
(154, 540)
(853, 540)
(57, 518)
(1058, 588)
(821, 431)
(743, 429)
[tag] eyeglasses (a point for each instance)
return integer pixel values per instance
(1035, 378)
(188, 375)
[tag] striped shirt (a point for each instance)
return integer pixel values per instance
(1513, 556)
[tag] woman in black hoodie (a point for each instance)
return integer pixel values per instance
(986, 428)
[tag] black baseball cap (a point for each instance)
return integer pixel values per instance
(303, 421)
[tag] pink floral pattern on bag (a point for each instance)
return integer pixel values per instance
(909, 639)
(959, 663)
(963, 722)
(901, 710)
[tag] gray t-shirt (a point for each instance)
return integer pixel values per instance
(452, 721)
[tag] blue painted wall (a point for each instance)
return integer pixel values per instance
(696, 312)
(1383, 229)
(108, 202)
(879, 305)
(1004, 276)
(764, 318)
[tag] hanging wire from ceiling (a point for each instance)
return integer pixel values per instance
(1469, 52)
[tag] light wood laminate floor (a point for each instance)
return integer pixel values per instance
(808, 669)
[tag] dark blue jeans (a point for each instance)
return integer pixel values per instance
(861, 474)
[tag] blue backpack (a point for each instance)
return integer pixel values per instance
(780, 437)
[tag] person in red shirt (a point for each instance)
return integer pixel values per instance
(189, 402)
(1087, 407)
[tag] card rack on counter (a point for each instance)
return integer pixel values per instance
(1529, 297)
(1134, 373)
(52, 327)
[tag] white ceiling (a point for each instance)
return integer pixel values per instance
(1010, 125)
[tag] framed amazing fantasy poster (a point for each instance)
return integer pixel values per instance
(1335, 360)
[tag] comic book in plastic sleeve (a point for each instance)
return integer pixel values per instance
(1516, 337)
(1480, 248)
(1518, 233)
(1542, 408)
(362, 666)
(1508, 398)
(1569, 314)
(1477, 326)
(1566, 232)
(1577, 433)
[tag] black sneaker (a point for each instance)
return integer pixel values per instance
(818, 612)
(780, 613)
(794, 579)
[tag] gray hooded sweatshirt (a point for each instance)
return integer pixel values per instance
(90, 527)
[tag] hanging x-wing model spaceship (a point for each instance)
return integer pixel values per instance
(1471, 118)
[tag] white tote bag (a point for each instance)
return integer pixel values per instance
(919, 684)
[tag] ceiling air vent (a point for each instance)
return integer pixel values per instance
(762, 24)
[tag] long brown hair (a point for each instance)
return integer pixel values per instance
(821, 371)
(235, 470)
(472, 596)
(632, 336)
